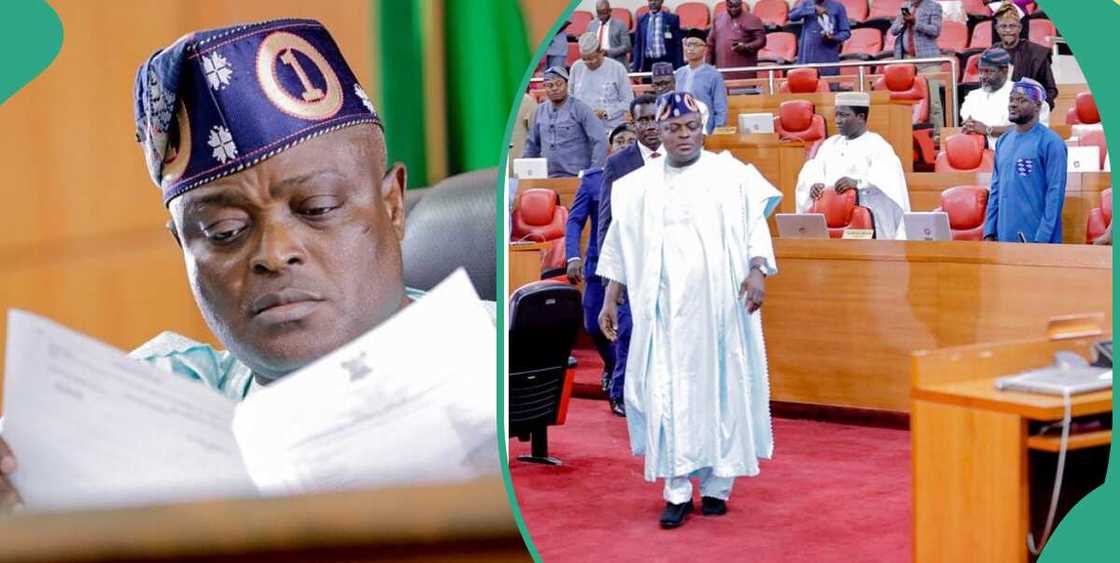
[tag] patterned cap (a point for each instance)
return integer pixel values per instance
(216, 102)
(555, 72)
(676, 104)
(662, 68)
(1031, 88)
(995, 56)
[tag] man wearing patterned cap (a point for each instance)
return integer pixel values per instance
(1029, 178)
(861, 160)
(690, 244)
(600, 82)
(664, 80)
(565, 130)
(984, 111)
(1028, 59)
(272, 163)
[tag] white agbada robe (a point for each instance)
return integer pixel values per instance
(681, 241)
(990, 108)
(868, 159)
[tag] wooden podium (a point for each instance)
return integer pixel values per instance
(970, 444)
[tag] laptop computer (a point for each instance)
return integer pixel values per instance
(530, 168)
(750, 123)
(1083, 159)
(802, 225)
(933, 225)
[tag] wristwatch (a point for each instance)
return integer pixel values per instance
(757, 266)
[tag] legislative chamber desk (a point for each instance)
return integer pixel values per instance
(976, 454)
(842, 317)
(465, 523)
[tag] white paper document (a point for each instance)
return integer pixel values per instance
(411, 402)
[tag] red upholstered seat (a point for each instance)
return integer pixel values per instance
(865, 43)
(1042, 32)
(803, 81)
(539, 217)
(623, 15)
(981, 35)
(885, 8)
(573, 54)
(772, 12)
(643, 10)
(903, 82)
(966, 207)
(972, 69)
(841, 212)
(781, 46)
(856, 9)
(580, 20)
(694, 15)
(964, 153)
(1096, 139)
(1099, 218)
(1084, 110)
(798, 121)
(954, 36)
(976, 8)
(721, 7)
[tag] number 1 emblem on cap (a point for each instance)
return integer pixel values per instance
(277, 53)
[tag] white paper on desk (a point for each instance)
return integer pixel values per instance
(92, 428)
(412, 401)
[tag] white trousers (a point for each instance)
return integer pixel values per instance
(678, 490)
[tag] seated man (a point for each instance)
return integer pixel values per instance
(857, 159)
(565, 130)
(282, 202)
(984, 111)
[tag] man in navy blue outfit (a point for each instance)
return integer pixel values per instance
(657, 38)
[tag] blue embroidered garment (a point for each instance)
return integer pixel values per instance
(1028, 187)
(216, 102)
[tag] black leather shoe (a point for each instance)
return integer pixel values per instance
(605, 382)
(618, 408)
(711, 506)
(674, 514)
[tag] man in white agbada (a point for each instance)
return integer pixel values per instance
(858, 159)
(690, 244)
(985, 109)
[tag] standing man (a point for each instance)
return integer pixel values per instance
(643, 110)
(691, 246)
(557, 52)
(916, 28)
(1028, 59)
(565, 130)
(824, 29)
(735, 39)
(612, 34)
(657, 39)
(985, 109)
(601, 83)
(1029, 179)
(702, 80)
(858, 159)
(664, 81)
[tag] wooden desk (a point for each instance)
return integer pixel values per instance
(842, 316)
(779, 162)
(524, 261)
(466, 523)
(970, 443)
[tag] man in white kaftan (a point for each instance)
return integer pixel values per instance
(690, 244)
(861, 160)
(985, 109)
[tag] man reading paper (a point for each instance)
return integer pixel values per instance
(272, 163)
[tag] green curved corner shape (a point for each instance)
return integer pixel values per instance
(1088, 532)
(35, 33)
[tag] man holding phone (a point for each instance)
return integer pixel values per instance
(735, 40)
(824, 29)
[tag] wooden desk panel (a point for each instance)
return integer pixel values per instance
(862, 307)
(524, 264)
(779, 162)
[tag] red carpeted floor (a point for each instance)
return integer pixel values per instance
(832, 492)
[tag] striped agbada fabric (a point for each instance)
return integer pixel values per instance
(448, 75)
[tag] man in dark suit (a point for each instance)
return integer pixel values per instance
(612, 34)
(643, 110)
(657, 38)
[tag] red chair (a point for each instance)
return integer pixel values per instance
(977, 8)
(573, 55)
(781, 47)
(623, 15)
(579, 22)
(773, 13)
(964, 153)
(721, 7)
(803, 81)
(967, 207)
(865, 43)
(972, 69)
(903, 82)
(841, 212)
(694, 15)
(887, 9)
(954, 36)
(981, 35)
(1096, 138)
(797, 120)
(1042, 32)
(1084, 110)
(539, 217)
(643, 10)
(857, 10)
(1099, 218)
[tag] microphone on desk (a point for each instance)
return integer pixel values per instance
(1021, 237)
